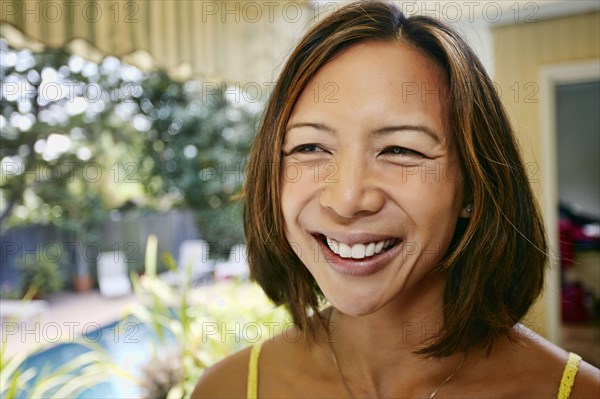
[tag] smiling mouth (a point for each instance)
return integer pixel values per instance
(359, 250)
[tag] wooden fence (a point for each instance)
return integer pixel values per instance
(127, 233)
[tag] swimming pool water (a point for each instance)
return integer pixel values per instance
(130, 347)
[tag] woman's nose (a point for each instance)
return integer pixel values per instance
(353, 190)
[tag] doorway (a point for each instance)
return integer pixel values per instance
(571, 125)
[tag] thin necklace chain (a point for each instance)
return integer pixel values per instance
(339, 370)
(431, 396)
(447, 380)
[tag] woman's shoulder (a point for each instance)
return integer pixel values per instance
(545, 362)
(225, 379)
(587, 382)
(281, 369)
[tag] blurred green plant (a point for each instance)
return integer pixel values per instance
(194, 152)
(64, 121)
(194, 328)
(41, 275)
(197, 327)
(109, 137)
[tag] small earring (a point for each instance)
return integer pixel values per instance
(469, 208)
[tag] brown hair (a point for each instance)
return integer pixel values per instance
(495, 265)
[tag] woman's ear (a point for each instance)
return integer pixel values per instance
(467, 210)
(468, 202)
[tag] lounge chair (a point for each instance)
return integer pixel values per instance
(193, 254)
(236, 266)
(112, 274)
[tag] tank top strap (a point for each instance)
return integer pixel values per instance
(252, 390)
(568, 377)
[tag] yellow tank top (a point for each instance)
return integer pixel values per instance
(252, 390)
(568, 377)
(564, 391)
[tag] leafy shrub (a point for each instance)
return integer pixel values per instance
(207, 324)
(40, 275)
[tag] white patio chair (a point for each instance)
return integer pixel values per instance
(194, 253)
(112, 274)
(236, 266)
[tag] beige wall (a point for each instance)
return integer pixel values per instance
(521, 51)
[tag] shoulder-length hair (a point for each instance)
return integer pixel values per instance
(495, 265)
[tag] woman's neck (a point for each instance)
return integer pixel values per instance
(376, 353)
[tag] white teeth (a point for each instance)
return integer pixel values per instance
(344, 250)
(370, 249)
(358, 251)
(334, 245)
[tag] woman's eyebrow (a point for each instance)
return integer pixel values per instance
(318, 126)
(416, 128)
(378, 132)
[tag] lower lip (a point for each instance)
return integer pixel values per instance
(359, 267)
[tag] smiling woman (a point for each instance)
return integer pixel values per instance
(372, 203)
(408, 212)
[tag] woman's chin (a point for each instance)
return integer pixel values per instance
(355, 308)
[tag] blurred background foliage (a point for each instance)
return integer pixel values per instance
(186, 330)
(80, 141)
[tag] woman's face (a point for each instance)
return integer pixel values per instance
(371, 182)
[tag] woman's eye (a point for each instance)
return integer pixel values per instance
(396, 150)
(304, 148)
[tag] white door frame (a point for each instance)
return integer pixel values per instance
(550, 77)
